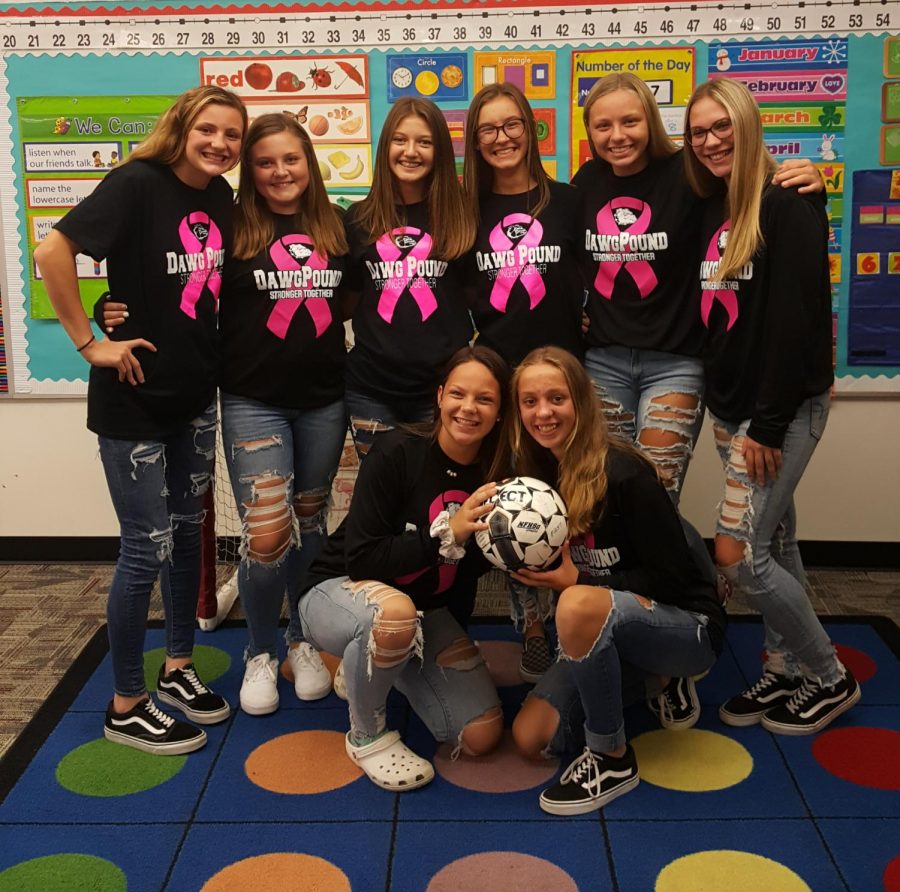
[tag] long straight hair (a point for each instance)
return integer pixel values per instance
(659, 145)
(751, 170)
(478, 175)
(379, 212)
(167, 139)
(254, 222)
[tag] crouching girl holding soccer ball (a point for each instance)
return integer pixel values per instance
(629, 588)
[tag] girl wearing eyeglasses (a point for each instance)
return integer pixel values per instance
(525, 284)
(766, 304)
(404, 236)
(639, 236)
(526, 288)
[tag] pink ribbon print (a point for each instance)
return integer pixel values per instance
(446, 572)
(639, 270)
(726, 297)
(403, 245)
(200, 236)
(528, 233)
(288, 253)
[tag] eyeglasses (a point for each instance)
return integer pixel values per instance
(488, 133)
(722, 128)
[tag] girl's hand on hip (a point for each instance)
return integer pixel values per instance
(117, 355)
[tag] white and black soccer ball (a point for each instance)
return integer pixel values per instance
(527, 526)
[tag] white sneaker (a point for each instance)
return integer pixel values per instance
(340, 683)
(312, 680)
(259, 690)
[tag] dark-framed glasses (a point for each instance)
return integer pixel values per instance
(488, 133)
(722, 129)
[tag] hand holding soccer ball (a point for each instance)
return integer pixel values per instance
(526, 527)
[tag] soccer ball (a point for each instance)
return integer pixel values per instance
(527, 526)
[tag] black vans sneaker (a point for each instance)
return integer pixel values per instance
(813, 706)
(146, 727)
(182, 689)
(590, 782)
(678, 706)
(748, 708)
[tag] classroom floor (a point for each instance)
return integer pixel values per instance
(48, 612)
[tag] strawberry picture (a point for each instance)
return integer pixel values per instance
(288, 82)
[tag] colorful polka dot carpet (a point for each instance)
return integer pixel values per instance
(273, 803)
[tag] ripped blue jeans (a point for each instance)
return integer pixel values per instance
(764, 519)
(157, 489)
(660, 640)
(281, 463)
(649, 391)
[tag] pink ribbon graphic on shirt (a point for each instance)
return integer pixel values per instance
(286, 308)
(198, 232)
(446, 572)
(639, 270)
(527, 274)
(726, 297)
(391, 252)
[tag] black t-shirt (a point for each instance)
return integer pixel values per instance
(639, 245)
(281, 329)
(404, 483)
(524, 274)
(411, 317)
(164, 244)
(637, 544)
(769, 345)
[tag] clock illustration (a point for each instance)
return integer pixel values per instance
(401, 78)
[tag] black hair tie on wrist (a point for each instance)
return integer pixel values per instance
(86, 344)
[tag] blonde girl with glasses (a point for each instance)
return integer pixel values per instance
(766, 305)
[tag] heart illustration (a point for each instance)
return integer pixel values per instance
(833, 83)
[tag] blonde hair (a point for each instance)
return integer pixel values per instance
(751, 170)
(254, 222)
(377, 213)
(659, 145)
(167, 139)
(582, 470)
(478, 176)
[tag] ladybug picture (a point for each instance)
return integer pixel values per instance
(321, 77)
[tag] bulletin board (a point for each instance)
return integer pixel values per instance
(827, 78)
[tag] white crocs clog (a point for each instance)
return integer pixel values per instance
(390, 763)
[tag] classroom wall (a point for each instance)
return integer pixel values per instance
(51, 481)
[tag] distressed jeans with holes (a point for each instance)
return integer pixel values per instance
(157, 489)
(302, 447)
(632, 385)
(368, 416)
(660, 640)
(764, 519)
(446, 698)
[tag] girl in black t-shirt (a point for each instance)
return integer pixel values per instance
(631, 591)
(640, 246)
(523, 275)
(392, 583)
(766, 302)
(405, 238)
(282, 385)
(162, 221)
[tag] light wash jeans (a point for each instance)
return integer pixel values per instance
(633, 386)
(302, 447)
(157, 488)
(636, 646)
(446, 698)
(369, 416)
(765, 520)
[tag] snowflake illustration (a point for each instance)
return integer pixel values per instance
(834, 52)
